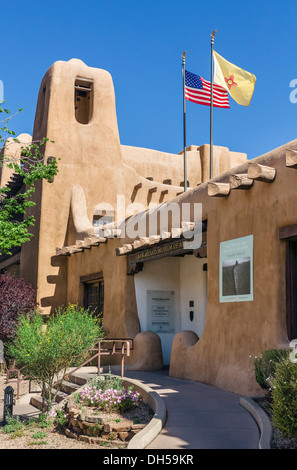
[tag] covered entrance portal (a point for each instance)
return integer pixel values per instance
(171, 289)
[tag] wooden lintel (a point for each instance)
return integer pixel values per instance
(288, 232)
(240, 181)
(291, 158)
(91, 277)
(218, 189)
(265, 174)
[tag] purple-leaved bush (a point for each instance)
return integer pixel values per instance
(17, 297)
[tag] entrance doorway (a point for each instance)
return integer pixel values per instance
(171, 295)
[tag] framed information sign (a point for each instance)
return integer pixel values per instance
(236, 270)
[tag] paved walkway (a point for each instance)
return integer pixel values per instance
(199, 416)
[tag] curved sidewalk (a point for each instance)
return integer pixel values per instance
(199, 416)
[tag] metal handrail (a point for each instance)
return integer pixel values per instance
(124, 350)
(18, 380)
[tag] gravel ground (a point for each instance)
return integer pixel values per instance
(278, 441)
(50, 438)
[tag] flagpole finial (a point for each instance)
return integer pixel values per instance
(213, 35)
(184, 55)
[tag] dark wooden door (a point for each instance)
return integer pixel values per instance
(291, 286)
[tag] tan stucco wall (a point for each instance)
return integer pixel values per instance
(161, 165)
(237, 332)
(120, 313)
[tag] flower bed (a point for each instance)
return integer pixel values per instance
(105, 411)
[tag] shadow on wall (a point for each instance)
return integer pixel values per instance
(59, 280)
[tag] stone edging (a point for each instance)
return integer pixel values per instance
(261, 419)
(143, 438)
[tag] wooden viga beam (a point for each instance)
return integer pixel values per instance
(82, 244)
(64, 251)
(263, 173)
(68, 250)
(291, 158)
(123, 250)
(240, 181)
(218, 189)
(94, 241)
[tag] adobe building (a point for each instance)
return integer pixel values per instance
(210, 308)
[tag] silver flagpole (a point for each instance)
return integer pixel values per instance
(211, 109)
(184, 111)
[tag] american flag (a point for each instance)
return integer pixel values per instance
(197, 90)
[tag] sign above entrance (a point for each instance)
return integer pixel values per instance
(170, 248)
(236, 270)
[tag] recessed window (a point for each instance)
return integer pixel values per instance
(94, 293)
(83, 100)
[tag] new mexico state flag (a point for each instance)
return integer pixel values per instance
(239, 83)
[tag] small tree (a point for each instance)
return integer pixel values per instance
(31, 167)
(46, 354)
(16, 297)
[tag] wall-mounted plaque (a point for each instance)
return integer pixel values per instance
(236, 270)
(160, 311)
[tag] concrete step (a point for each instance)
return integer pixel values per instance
(60, 395)
(36, 400)
(69, 387)
(77, 379)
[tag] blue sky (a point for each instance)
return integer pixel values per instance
(140, 43)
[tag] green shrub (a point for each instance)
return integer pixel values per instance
(104, 382)
(13, 425)
(39, 435)
(44, 353)
(265, 365)
(284, 398)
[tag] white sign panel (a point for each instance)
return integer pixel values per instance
(160, 311)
